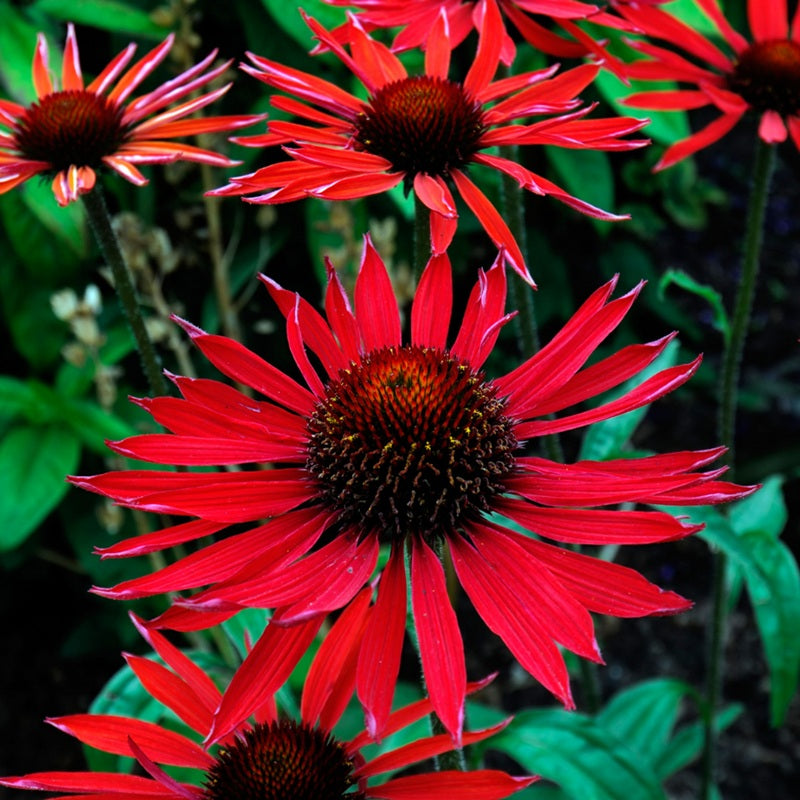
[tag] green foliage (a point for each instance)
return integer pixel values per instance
(627, 750)
(33, 462)
(113, 16)
(707, 293)
(750, 536)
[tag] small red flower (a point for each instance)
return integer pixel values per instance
(424, 131)
(410, 447)
(73, 131)
(273, 757)
(761, 75)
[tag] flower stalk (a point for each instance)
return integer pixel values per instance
(763, 170)
(100, 223)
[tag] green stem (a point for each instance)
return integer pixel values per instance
(763, 170)
(520, 295)
(422, 237)
(100, 223)
(754, 228)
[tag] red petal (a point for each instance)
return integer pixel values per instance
(604, 587)
(376, 305)
(433, 304)
(331, 678)
(95, 783)
(664, 382)
(440, 645)
(244, 366)
(479, 784)
(421, 749)
(111, 734)
(262, 673)
(504, 613)
(381, 648)
(490, 42)
(493, 223)
(171, 691)
(163, 448)
(340, 316)
(483, 317)
(594, 526)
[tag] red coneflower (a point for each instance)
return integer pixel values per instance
(424, 130)
(417, 17)
(273, 757)
(73, 131)
(762, 75)
(412, 447)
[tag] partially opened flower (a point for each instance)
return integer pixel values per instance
(410, 446)
(73, 131)
(760, 74)
(271, 758)
(424, 131)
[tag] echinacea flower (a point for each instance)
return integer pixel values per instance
(73, 131)
(423, 130)
(271, 758)
(411, 447)
(760, 75)
(417, 17)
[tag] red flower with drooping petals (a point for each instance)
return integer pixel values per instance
(73, 131)
(423, 130)
(417, 17)
(409, 446)
(762, 75)
(272, 758)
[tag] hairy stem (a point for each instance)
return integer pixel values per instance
(100, 223)
(763, 169)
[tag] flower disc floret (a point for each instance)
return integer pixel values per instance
(71, 127)
(282, 760)
(422, 124)
(410, 440)
(767, 76)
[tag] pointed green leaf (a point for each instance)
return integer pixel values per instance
(34, 462)
(644, 716)
(583, 757)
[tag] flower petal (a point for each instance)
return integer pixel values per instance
(376, 306)
(381, 648)
(440, 644)
(479, 784)
(433, 304)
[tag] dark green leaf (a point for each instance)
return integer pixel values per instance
(288, 17)
(645, 715)
(773, 583)
(586, 174)
(92, 424)
(687, 744)
(34, 462)
(17, 44)
(106, 14)
(581, 756)
(711, 296)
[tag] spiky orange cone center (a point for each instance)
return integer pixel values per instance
(411, 441)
